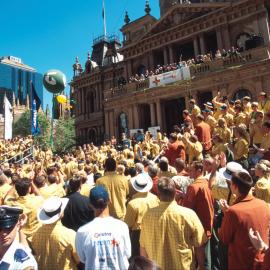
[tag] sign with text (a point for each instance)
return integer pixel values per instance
(170, 77)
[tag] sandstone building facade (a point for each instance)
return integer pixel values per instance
(108, 104)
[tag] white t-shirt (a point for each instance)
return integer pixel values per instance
(104, 244)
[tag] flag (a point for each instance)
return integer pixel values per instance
(8, 118)
(35, 105)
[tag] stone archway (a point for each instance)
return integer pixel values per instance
(242, 92)
(92, 136)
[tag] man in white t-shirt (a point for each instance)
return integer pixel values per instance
(103, 243)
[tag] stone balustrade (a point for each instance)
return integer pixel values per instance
(246, 57)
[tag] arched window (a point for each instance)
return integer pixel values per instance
(239, 94)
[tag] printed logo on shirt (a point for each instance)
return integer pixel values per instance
(21, 256)
(97, 235)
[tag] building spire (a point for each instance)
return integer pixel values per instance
(104, 18)
(147, 7)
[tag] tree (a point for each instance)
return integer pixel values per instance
(22, 127)
(64, 134)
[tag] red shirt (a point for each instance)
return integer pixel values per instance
(175, 150)
(203, 132)
(247, 212)
(199, 198)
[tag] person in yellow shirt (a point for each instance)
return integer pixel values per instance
(239, 117)
(264, 103)
(29, 203)
(4, 187)
(262, 186)
(140, 203)
(53, 244)
(218, 146)
(118, 189)
(246, 105)
(226, 115)
(180, 227)
(195, 109)
(194, 148)
(209, 119)
(241, 146)
(256, 129)
(223, 131)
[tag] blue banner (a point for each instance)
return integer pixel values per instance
(35, 129)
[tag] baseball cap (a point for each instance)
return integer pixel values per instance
(9, 216)
(99, 197)
(223, 107)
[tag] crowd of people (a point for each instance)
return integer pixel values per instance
(196, 199)
(193, 62)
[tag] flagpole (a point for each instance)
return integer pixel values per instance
(5, 116)
(104, 18)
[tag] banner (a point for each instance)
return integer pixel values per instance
(170, 77)
(34, 127)
(8, 119)
(153, 131)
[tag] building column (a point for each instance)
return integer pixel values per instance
(264, 29)
(196, 46)
(226, 38)
(165, 56)
(202, 44)
(159, 116)
(130, 118)
(111, 120)
(107, 124)
(151, 61)
(171, 57)
(135, 116)
(153, 114)
(81, 105)
(219, 39)
(259, 86)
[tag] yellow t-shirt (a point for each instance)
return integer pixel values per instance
(256, 133)
(240, 118)
(3, 191)
(224, 133)
(195, 111)
(266, 142)
(52, 190)
(264, 106)
(240, 149)
(219, 148)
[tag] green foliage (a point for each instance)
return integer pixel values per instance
(64, 135)
(22, 127)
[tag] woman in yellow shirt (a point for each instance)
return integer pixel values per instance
(262, 187)
(241, 146)
(223, 131)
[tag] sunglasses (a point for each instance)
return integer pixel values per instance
(7, 230)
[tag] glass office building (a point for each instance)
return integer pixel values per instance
(17, 80)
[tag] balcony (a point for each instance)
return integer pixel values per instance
(246, 57)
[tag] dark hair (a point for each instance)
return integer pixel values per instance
(198, 165)
(142, 263)
(75, 183)
(243, 181)
(267, 124)
(8, 173)
(163, 165)
(51, 179)
(15, 177)
(166, 188)
(173, 136)
(51, 170)
(39, 181)
(152, 171)
(110, 165)
(22, 186)
(132, 172)
(97, 176)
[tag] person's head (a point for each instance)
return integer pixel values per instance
(173, 137)
(196, 169)
(179, 165)
(238, 108)
(262, 170)
(139, 168)
(254, 106)
(192, 103)
(266, 127)
(23, 186)
(224, 109)
(217, 139)
(52, 178)
(259, 116)
(262, 96)
(9, 222)
(51, 170)
(221, 122)
(166, 189)
(240, 131)
(99, 198)
(199, 118)
(75, 183)
(40, 181)
(120, 169)
(185, 113)
(241, 183)
(193, 138)
(142, 263)
(163, 165)
(152, 171)
(208, 164)
(110, 165)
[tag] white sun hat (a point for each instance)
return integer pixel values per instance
(52, 209)
(232, 167)
(142, 182)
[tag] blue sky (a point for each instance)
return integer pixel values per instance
(50, 34)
